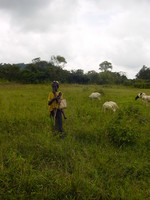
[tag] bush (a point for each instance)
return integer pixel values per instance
(143, 85)
(123, 129)
(122, 134)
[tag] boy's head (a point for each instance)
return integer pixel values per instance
(55, 86)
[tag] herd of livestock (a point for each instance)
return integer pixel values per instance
(111, 105)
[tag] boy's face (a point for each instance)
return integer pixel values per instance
(55, 87)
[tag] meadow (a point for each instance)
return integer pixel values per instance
(103, 155)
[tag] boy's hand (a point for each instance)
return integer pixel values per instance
(60, 93)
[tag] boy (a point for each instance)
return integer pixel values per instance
(54, 99)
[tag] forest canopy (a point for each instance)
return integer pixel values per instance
(39, 71)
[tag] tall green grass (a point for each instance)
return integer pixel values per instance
(103, 156)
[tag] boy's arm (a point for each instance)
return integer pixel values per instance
(59, 95)
(57, 98)
(50, 99)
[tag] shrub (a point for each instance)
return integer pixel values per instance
(142, 84)
(123, 129)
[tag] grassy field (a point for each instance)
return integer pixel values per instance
(103, 156)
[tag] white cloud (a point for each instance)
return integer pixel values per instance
(85, 32)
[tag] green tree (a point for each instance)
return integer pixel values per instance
(10, 72)
(105, 66)
(144, 73)
(78, 76)
(36, 60)
(93, 76)
(58, 61)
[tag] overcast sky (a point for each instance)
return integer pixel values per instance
(85, 32)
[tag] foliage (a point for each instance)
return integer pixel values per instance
(123, 128)
(108, 77)
(42, 71)
(78, 76)
(36, 60)
(9, 72)
(141, 84)
(58, 61)
(105, 66)
(93, 76)
(144, 73)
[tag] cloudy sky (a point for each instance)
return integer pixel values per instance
(85, 32)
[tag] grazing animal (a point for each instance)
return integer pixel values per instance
(144, 97)
(110, 105)
(95, 95)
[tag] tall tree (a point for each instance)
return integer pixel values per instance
(36, 60)
(105, 66)
(58, 61)
(144, 73)
(93, 76)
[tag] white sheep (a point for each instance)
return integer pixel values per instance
(110, 105)
(95, 95)
(144, 97)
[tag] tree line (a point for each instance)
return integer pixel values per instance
(39, 71)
